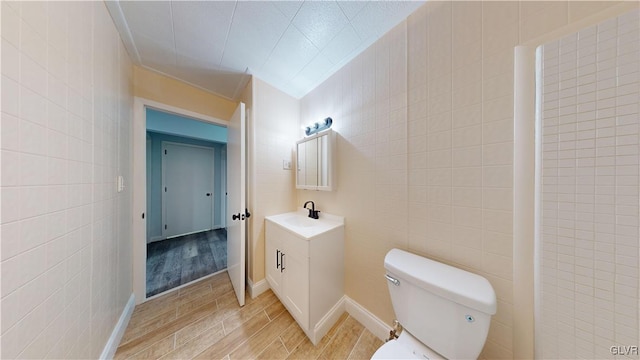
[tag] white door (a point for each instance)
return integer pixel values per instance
(187, 173)
(236, 204)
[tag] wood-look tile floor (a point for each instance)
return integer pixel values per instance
(204, 321)
(180, 260)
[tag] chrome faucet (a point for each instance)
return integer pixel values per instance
(313, 213)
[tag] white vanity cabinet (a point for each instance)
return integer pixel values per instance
(306, 273)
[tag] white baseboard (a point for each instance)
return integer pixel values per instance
(116, 335)
(257, 288)
(377, 327)
(328, 320)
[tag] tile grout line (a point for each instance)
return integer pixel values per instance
(285, 346)
(254, 334)
(264, 310)
(172, 302)
(134, 355)
(271, 343)
(294, 324)
(333, 337)
(356, 344)
(279, 338)
(244, 341)
(174, 333)
(142, 324)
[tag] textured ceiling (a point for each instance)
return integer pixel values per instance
(216, 45)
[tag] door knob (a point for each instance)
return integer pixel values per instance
(208, 194)
(235, 216)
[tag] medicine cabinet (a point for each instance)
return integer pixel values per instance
(315, 162)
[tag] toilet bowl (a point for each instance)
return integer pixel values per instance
(445, 312)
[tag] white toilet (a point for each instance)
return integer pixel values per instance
(445, 312)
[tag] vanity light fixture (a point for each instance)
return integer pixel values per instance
(317, 127)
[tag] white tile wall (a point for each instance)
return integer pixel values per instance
(66, 119)
(420, 166)
(425, 144)
(590, 191)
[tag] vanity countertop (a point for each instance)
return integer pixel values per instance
(300, 224)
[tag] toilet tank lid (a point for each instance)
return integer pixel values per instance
(446, 281)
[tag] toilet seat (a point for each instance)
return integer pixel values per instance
(393, 350)
(405, 347)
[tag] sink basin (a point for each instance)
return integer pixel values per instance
(300, 224)
(301, 221)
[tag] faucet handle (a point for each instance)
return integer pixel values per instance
(315, 214)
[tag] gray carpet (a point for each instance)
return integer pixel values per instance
(177, 261)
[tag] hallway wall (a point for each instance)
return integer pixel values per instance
(154, 189)
(66, 127)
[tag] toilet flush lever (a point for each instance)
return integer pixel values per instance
(393, 280)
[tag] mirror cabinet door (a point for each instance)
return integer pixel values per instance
(323, 159)
(300, 165)
(314, 162)
(311, 161)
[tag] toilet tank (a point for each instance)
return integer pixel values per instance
(446, 308)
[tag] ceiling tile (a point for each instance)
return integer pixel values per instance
(149, 18)
(288, 8)
(150, 49)
(201, 28)
(293, 45)
(342, 45)
(255, 31)
(320, 21)
(351, 8)
(378, 17)
(186, 62)
(282, 63)
(314, 71)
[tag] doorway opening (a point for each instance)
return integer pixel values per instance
(233, 175)
(186, 200)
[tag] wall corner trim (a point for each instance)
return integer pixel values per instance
(524, 174)
(118, 331)
(257, 288)
(377, 327)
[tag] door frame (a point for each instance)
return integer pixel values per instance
(164, 183)
(139, 184)
(223, 187)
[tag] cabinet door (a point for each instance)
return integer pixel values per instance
(295, 283)
(272, 258)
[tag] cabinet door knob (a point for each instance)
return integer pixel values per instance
(281, 261)
(277, 259)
